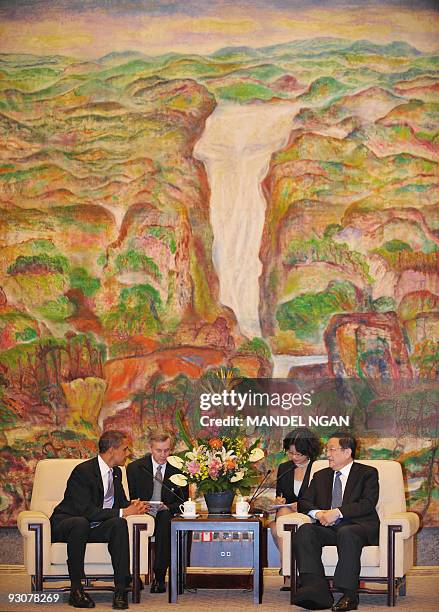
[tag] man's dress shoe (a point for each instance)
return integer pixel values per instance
(80, 599)
(120, 599)
(311, 598)
(158, 587)
(346, 603)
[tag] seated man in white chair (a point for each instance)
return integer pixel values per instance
(342, 500)
(93, 510)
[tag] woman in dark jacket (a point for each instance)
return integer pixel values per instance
(302, 447)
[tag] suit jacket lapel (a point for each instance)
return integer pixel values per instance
(327, 489)
(352, 479)
(305, 480)
(167, 472)
(288, 475)
(117, 486)
(149, 475)
(100, 486)
(173, 496)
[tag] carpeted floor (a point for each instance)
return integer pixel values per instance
(422, 596)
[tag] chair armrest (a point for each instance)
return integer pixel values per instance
(30, 517)
(409, 521)
(141, 519)
(140, 529)
(294, 518)
(24, 520)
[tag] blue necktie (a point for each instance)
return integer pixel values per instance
(337, 492)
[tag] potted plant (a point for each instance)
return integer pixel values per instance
(219, 467)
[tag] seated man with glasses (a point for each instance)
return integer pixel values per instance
(341, 499)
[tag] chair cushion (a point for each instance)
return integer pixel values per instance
(370, 556)
(94, 553)
(50, 482)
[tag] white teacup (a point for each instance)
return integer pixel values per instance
(189, 508)
(242, 508)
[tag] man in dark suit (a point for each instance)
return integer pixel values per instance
(93, 510)
(149, 480)
(342, 500)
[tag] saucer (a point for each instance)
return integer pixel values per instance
(238, 516)
(189, 515)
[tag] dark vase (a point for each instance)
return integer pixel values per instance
(219, 503)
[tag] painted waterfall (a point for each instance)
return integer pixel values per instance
(198, 191)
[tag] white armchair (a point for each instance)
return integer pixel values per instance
(388, 562)
(45, 561)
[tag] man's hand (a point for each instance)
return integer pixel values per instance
(293, 507)
(328, 517)
(136, 507)
(279, 501)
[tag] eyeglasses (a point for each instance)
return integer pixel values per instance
(333, 449)
(294, 454)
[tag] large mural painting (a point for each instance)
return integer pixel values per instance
(197, 192)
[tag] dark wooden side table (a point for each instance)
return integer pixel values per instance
(181, 527)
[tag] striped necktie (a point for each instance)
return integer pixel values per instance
(337, 494)
(109, 495)
(157, 491)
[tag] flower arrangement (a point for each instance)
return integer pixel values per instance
(218, 464)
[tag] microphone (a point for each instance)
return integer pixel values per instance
(284, 474)
(256, 495)
(163, 484)
(259, 486)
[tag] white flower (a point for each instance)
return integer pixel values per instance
(179, 479)
(238, 476)
(226, 454)
(175, 461)
(256, 455)
(196, 453)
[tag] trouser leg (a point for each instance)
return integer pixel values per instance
(162, 533)
(314, 593)
(75, 532)
(350, 542)
(115, 532)
(308, 544)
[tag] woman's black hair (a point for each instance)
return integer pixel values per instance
(305, 441)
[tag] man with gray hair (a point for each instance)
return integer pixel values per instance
(149, 480)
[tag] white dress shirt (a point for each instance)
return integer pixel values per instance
(105, 469)
(344, 474)
(155, 465)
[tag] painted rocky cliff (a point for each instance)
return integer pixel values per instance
(110, 302)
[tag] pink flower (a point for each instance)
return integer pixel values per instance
(214, 468)
(193, 467)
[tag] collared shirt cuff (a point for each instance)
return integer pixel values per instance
(121, 513)
(312, 514)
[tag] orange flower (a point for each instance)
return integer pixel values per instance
(230, 464)
(215, 443)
